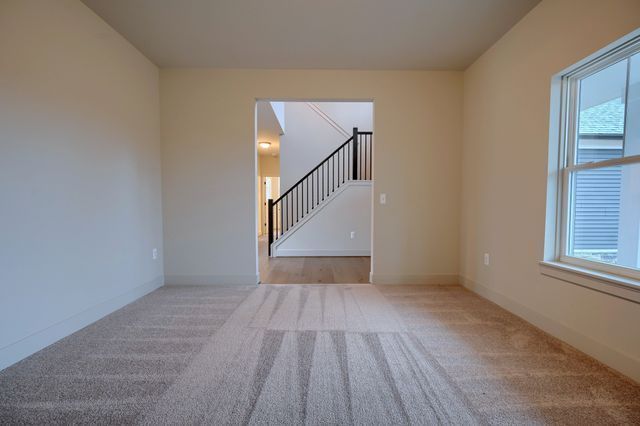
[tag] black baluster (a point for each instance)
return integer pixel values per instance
(338, 154)
(306, 203)
(312, 190)
(322, 181)
(338, 160)
(355, 153)
(366, 151)
(371, 157)
(299, 189)
(270, 222)
(342, 165)
(290, 196)
(361, 161)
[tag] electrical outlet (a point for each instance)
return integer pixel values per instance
(486, 259)
(383, 198)
(154, 253)
(353, 235)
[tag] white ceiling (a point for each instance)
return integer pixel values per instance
(347, 34)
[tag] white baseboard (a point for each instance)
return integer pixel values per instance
(33, 343)
(430, 279)
(211, 279)
(625, 364)
(322, 253)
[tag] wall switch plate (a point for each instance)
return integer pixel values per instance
(353, 235)
(383, 198)
(486, 259)
(154, 253)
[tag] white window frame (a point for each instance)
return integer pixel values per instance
(564, 101)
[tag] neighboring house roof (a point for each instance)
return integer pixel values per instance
(604, 119)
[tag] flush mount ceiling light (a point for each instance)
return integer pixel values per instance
(264, 145)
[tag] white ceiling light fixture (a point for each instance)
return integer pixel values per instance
(264, 145)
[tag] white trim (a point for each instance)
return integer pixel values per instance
(600, 267)
(321, 253)
(28, 345)
(275, 251)
(213, 280)
(428, 279)
(625, 363)
(552, 237)
(613, 284)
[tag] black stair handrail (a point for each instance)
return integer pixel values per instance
(290, 208)
(327, 158)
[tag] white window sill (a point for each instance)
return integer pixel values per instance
(615, 285)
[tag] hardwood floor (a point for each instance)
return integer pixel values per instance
(312, 270)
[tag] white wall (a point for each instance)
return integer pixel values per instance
(79, 173)
(310, 138)
(505, 153)
(209, 168)
(349, 114)
(327, 231)
(278, 110)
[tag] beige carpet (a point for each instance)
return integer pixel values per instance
(314, 354)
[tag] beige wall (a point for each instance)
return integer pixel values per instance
(80, 208)
(209, 168)
(506, 123)
(269, 166)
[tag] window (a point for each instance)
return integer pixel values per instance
(599, 214)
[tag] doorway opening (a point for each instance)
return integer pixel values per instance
(315, 189)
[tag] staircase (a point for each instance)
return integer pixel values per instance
(351, 161)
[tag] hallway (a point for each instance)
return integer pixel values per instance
(312, 270)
